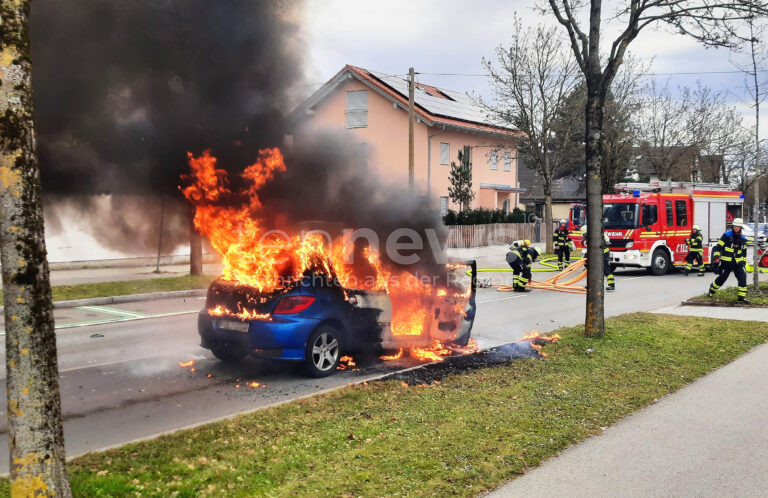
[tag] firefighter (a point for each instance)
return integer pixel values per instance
(562, 242)
(520, 259)
(730, 255)
(695, 251)
(606, 258)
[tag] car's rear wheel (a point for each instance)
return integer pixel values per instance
(229, 355)
(322, 352)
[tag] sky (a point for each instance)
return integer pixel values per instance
(452, 36)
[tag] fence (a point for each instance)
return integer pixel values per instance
(490, 234)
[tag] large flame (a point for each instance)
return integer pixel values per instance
(233, 221)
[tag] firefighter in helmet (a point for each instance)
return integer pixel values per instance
(695, 251)
(606, 258)
(730, 255)
(562, 242)
(520, 257)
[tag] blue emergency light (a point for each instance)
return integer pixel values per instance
(741, 196)
(635, 193)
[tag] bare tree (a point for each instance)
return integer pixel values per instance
(712, 22)
(532, 78)
(755, 91)
(36, 439)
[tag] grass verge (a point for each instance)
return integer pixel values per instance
(729, 295)
(467, 434)
(106, 289)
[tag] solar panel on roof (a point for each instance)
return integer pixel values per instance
(462, 107)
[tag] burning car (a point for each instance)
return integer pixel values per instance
(300, 297)
(317, 321)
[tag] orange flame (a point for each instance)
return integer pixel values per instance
(243, 315)
(391, 357)
(185, 364)
(267, 260)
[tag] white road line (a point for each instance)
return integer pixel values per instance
(634, 278)
(110, 311)
(115, 320)
(105, 363)
(499, 299)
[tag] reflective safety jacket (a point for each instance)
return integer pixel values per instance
(695, 242)
(561, 237)
(607, 243)
(515, 255)
(731, 248)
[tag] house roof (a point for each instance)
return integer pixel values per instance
(565, 189)
(435, 106)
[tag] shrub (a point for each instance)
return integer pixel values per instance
(482, 216)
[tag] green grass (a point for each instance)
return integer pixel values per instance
(106, 289)
(729, 295)
(465, 435)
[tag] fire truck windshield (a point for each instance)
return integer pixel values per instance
(623, 215)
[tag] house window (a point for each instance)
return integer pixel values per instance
(443, 206)
(507, 161)
(357, 109)
(505, 204)
(445, 153)
(362, 156)
(494, 159)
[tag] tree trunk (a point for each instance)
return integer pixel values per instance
(594, 324)
(35, 435)
(195, 247)
(548, 233)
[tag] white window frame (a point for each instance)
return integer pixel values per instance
(445, 158)
(493, 159)
(444, 205)
(507, 160)
(356, 111)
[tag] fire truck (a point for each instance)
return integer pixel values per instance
(647, 223)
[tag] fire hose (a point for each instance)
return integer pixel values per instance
(571, 274)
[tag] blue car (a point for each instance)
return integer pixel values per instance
(317, 322)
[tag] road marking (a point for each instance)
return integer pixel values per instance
(634, 278)
(499, 299)
(116, 319)
(127, 360)
(110, 311)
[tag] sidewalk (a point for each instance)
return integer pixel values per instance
(707, 439)
(94, 275)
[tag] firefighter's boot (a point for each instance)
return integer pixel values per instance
(701, 270)
(611, 283)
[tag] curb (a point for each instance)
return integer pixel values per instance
(128, 298)
(718, 304)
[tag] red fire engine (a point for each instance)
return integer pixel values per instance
(647, 223)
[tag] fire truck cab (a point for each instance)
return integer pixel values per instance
(647, 223)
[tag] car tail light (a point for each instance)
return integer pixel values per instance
(293, 304)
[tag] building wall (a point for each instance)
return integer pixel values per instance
(386, 137)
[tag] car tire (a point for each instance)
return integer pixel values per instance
(229, 355)
(322, 351)
(659, 262)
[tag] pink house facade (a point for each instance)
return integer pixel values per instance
(373, 108)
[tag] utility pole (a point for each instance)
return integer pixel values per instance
(411, 112)
(758, 172)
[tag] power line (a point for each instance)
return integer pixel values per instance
(640, 74)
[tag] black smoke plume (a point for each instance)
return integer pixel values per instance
(123, 89)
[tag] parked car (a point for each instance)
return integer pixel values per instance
(316, 322)
(749, 233)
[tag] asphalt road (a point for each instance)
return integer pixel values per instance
(121, 380)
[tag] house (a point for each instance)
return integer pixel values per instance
(373, 108)
(676, 163)
(565, 191)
